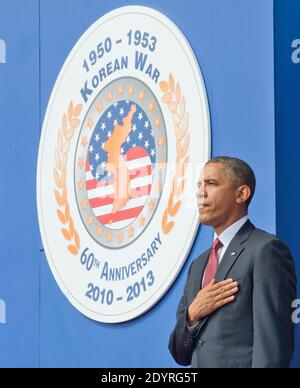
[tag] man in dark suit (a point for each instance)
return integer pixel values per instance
(236, 307)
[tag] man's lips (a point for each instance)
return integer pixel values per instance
(203, 205)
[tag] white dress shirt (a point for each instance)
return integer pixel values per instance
(228, 234)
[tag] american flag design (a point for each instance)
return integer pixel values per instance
(133, 159)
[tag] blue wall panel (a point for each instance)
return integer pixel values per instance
(19, 235)
(287, 83)
(233, 42)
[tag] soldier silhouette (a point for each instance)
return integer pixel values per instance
(116, 163)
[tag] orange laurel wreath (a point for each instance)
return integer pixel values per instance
(69, 123)
(176, 103)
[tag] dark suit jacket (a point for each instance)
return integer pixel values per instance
(256, 330)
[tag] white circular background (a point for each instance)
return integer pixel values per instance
(172, 55)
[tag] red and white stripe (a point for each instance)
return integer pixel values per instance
(101, 195)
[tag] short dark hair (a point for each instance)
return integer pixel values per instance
(242, 172)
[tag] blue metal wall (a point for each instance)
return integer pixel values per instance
(233, 41)
(287, 83)
(19, 137)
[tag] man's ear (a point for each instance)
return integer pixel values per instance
(243, 194)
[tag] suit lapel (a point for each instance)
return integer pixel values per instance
(234, 250)
(227, 262)
(230, 257)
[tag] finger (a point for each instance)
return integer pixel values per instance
(225, 288)
(207, 288)
(212, 282)
(221, 287)
(221, 284)
(223, 302)
(226, 294)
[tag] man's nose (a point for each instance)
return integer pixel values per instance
(201, 192)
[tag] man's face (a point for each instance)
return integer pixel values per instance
(216, 196)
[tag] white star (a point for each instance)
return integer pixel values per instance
(121, 112)
(103, 165)
(152, 134)
(146, 124)
(109, 174)
(122, 150)
(115, 122)
(128, 140)
(109, 134)
(97, 176)
(134, 127)
(133, 145)
(91, 167)
(109, 115)
(127, 102)
(97, 157)
(91, 149)
(152, 152)
(140, 136)
(116, 104)
(103, 126)
(97, 137)
(146, 144)
(102, 145)
(140, 116)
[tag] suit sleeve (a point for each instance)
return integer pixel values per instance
(274, 290)
(182, 341)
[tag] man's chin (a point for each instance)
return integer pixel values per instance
(204, 220)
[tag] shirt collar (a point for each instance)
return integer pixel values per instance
(227, 235)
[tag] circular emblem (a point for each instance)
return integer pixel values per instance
(117, 173)
(125, 133)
